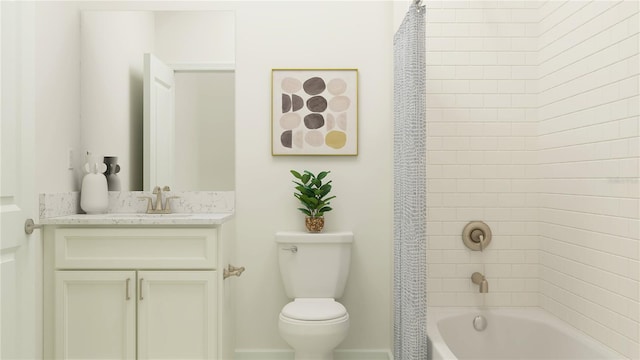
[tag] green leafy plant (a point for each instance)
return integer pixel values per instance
(312, 192)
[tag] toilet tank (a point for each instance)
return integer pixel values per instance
(314, 265)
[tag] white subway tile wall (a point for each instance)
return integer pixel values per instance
(481, 76)
(533, 127)
(588, 168)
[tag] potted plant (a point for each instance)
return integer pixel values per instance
(312, 193)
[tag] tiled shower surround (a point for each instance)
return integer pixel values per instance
(533, 127)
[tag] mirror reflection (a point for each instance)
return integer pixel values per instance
(197, 145)
(204, 135)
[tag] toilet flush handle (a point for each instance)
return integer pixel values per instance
(293, 249)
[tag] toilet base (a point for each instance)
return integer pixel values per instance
(313, 340)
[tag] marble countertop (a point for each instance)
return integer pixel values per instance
(140, 219)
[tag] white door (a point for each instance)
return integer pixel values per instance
(159, 119)
(177, 313)
(95, 315)
(20, 254)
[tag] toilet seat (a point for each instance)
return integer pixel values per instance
(314, 309)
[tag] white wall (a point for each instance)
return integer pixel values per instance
(589, 147)
(314, 35)
(481, 116)
(57, 112)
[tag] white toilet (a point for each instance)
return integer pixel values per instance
(314, 269)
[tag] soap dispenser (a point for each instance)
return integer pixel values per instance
(94, 196)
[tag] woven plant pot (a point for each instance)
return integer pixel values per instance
(314, 224)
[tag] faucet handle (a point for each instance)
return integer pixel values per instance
(167, 204)
(166, 188)
(156, 190)
(149, 202)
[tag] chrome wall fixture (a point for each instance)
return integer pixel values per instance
(30, 225)
(479, 279)
(476, 235)
(232, 271)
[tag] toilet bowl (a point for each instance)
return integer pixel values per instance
(314, 269)
(313, 327)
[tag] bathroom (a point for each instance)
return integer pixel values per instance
(498, 151)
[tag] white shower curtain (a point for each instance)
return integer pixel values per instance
(410, 268)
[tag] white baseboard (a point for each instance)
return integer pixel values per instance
(263, 355)
(244, 354)
(381, 354)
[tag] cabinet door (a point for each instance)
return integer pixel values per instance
(177, 315)
(95, 315)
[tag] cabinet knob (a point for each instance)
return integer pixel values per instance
(232, 271)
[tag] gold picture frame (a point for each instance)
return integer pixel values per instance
(314, 112)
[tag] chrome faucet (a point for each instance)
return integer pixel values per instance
(479, 279)
(159, 207)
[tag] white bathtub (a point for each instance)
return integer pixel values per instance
(511, 333)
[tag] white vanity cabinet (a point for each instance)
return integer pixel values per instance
(97, 312)
(137, 292)
(93, 317)
(189, 332)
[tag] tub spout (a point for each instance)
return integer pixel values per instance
(484, 286)
(479, 279)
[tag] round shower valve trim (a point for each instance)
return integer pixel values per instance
(476, 235)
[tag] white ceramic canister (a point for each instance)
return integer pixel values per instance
(94, 195)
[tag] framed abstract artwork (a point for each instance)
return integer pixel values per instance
(314, 112)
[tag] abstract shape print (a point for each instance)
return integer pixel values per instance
(314, 112)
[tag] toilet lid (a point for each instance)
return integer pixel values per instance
(314, 309)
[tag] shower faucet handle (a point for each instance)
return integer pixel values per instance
(476, 235)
